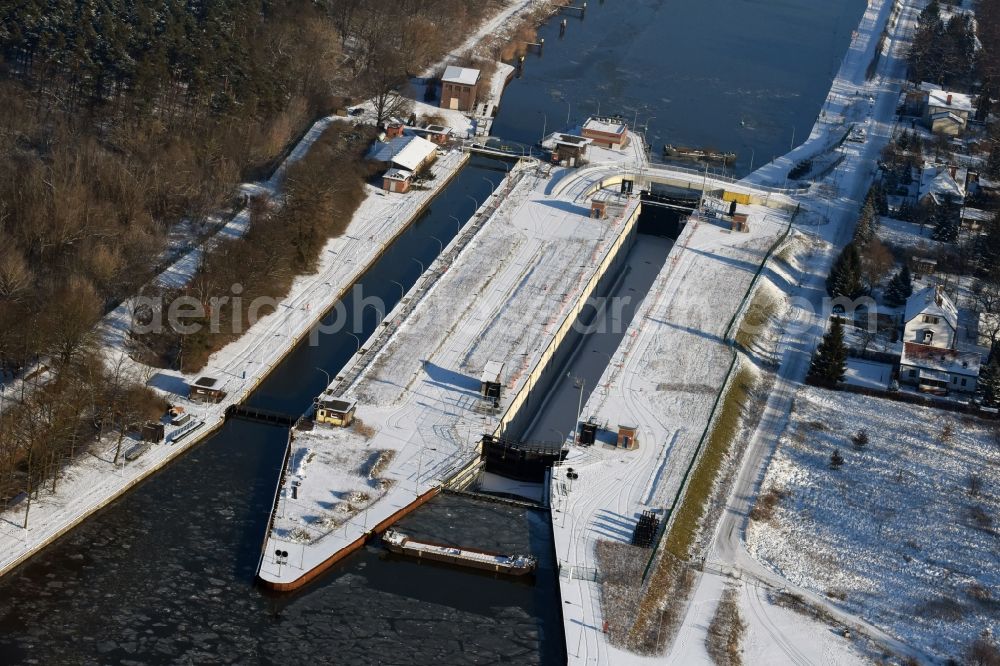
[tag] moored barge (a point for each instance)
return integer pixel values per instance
(512, 565)
(682, 152)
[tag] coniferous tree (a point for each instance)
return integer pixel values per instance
(900, 288)
(829, 363)
(993, 163)
(867, 226)
(989, 381)
(880, 200)
(946, 219)
(907, 281)
(845, 276)
(836, 460)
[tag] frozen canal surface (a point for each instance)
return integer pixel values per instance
(153, 581)
(734, 75)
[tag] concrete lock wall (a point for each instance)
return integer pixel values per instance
(533, 391)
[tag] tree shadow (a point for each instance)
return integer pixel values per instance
(169, 384)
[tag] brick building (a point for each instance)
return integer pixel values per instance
(459, 88)
(606, 132)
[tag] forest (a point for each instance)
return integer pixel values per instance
(943, 51)
(126, 129)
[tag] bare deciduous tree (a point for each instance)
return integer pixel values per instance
(15, 275)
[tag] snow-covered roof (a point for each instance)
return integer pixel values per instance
(435, 129)
(936, 359)
(977, 214)
(934, 302)
(338, 405)
(561, 139)
(397, 174)
(492, 371)
(406, 152)
(460, 75)
(414, 153)
(937, 182)
(608, 125)
(938, 98)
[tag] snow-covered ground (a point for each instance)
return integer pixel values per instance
(837, 199)
(907, 235)
(896, 535)
(773, 635)
(663, 378)
(868, 374)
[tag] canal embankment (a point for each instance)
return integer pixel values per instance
(240, 368)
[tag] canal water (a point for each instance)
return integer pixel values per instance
(743, 76)
(165, 574)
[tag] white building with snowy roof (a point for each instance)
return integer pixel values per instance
(606, 131)
(931, 318)
(946, 112)
(405, 156)
(936, 370)
(410, 153)
(942, 183)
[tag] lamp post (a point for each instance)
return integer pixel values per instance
(326, 374)
(474, 200)
(458, 224)
(440, 244)
(402, 289)
(562, 437)
(578, 383)
(545, 124)
(379, 314)
(419, 263)
(357, 339)
(568, 107)
(490, 183)
(645, 137)
(420, 468)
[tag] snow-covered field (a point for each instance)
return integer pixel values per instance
(900, 534)
(868, 374)
(907, 235)
(774, 634)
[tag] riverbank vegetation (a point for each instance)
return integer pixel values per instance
(283, 240)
